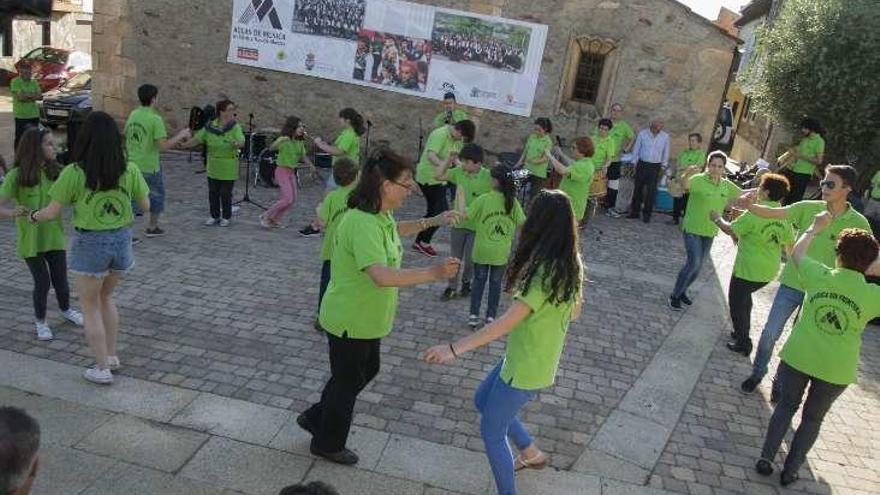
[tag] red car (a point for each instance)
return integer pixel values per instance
(53, 66)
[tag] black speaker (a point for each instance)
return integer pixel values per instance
(39, 8)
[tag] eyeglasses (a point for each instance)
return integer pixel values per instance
(829, 184)
(406, 185)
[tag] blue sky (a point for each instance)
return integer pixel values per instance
(709, 8)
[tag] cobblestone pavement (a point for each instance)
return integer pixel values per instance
(230, 311)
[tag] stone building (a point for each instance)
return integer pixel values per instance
(655, 56)
(69, 26)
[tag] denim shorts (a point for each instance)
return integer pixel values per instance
(97, 253)
(157, 192)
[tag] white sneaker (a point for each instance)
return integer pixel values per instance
(210, 221)
(44, 333)
(235, 209)
(73, 316)
(113, 363)
(99, 376)
(224, 222)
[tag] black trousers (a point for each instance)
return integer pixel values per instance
(611, 193)
(819, 400)
(679, 205)
(435, 196)
(353, 364)
(22, 125)
(220, 197)
(536, 185)
(49, 269)
(645, 192)
(799, 183)
(739, 298)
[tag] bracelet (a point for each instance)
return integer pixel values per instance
(453, 350)
(33, 216)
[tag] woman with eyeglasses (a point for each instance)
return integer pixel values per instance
(291, 150)
(709, 192)
(223, 138)
(360, 304)
(836, 186)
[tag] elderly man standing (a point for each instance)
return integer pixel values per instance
(651, 153)
(19, 443)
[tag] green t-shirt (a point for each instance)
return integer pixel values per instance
(441, 142)
(875, 186)
(535, 150)
(474, 185)
(688, 158)
(99, 210)
(811, 147)
(534, 347)
(290, 152)
(827, 338)
(24, 109)
(31, 239)
(706, 197)
(457, 116)
(801, 216)
(494, 228)
(577, 185)
(759, 246)
(353, 303)
(621, 132)
(222, 155)
(350, 143)
(142, 129)
(330, 212)
(604, 149)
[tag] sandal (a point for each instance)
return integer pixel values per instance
(540, 461)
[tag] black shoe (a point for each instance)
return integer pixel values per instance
(344, 456)
(449, 294)
(674, 303)
(774, 395)
(465, 290)
(764, 467)
(157, 232)
(674, 221)
(787, 477)
(309, 231)
(646, 219)
(303, 421)
(685, 299)
(749, 385)
(744, 349)
(135, 240)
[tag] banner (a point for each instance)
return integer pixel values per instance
(419, 50)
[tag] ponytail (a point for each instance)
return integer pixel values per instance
(502, 174)
(355, 119)
(382, 165)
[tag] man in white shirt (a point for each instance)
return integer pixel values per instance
(651, 153)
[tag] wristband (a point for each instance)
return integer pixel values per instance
(453, 350)
(33, 216)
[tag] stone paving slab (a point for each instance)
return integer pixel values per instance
(347, 480)
(61, 422)
(144, 443)
(438, 465)
(66, 470)
(128, 479)
(236, 419)
(367, 443)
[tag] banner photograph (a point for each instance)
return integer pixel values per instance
(488, 62)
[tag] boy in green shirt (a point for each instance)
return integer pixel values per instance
(25, 94)
(472, 181)
(808, 154)
(145, 137)
(451, 114)
(690, 161)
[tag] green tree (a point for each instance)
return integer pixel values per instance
(822, 58)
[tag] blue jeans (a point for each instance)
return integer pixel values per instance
(96, 253)
(787, 300)
(494, 273)
(697, 248)
(498, 404)
(156, 184)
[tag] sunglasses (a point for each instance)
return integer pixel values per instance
(828, 184)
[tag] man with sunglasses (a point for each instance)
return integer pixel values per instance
(836, 186)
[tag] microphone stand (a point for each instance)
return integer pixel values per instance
(421, 138)
(367, 146)
(247, 179)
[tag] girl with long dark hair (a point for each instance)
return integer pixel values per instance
(291, 151)
(223, 138)
(360, 304)
(348, 142)
(41, 246)
(495, 217)
(101, 185)
(577, 174)
(546, 275)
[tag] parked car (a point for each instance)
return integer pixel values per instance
(53, 66)
(75, 95)
(724, 133)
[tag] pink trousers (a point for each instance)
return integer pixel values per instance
(286, 179)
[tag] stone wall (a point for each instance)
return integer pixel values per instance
(673, 63)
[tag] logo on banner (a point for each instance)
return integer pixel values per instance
(479, 93)
(260, 10)
(248, 53)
